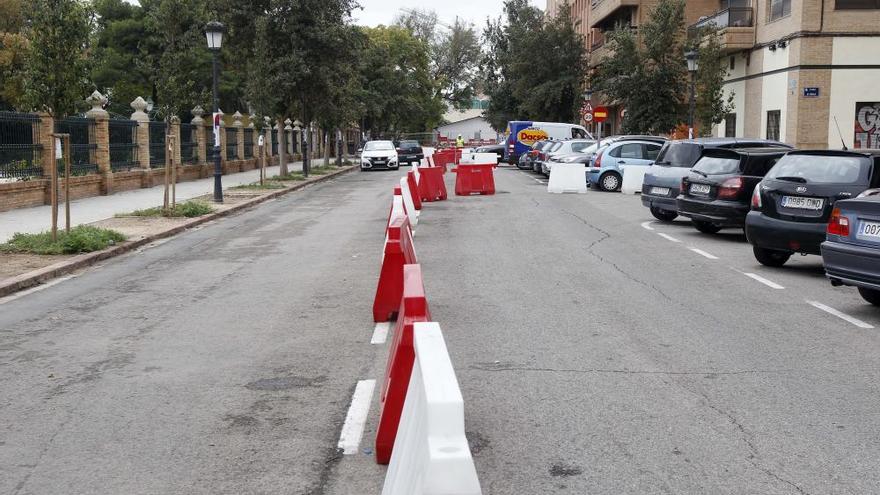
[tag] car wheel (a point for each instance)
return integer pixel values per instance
(706, 227)
(609, 181)
(770, 257)
(870, 295)
(663, 215)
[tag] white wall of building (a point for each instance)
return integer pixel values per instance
(774, 89)
(849, 86)
(469, 129)
(739, 97)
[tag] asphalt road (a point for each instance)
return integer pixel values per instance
(594, 355)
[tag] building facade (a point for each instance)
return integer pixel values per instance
(801, 69)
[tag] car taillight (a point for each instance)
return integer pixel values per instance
(838, 224)
(730, 188)
(598, 160)
(756, 198)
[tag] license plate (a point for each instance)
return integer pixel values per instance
(869, 230)
(660, 191)
(700, 189)
(803, 203)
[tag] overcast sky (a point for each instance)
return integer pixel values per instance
(377, 12)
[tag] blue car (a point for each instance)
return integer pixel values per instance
(852, 252)
(606, 173)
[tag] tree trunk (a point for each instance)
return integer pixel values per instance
(326, 142)
(340, 146)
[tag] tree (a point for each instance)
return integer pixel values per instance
(712, 106)
(56, 74)
(115, 69)
(456, 58)
(13, 51)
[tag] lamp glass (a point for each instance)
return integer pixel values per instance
(214, 35)
(691, 58)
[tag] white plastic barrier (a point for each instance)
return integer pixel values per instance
(478, 158)
(633, 178)
(408, 203)
(396, 208)
(431, 455)
(567, 177)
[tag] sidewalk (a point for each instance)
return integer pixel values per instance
(88, 210)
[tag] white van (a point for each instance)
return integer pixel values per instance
(522, 134)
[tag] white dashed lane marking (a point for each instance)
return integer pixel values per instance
(703, 253)
(353, 428)
(768, 283)
(380, 333)
(843, 316)
(647, 225)
(667, 237)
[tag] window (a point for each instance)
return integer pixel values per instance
(732, 62)
(629, 150)
(578, 133)
(730, 125)
(773, 124)
(651, 151)
(779, 9)
(856, 4)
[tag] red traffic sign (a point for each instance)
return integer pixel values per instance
(600, 114)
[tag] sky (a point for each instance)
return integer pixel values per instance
(377, 12)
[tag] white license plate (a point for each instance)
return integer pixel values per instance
(700, 189)
(869, 230)
(660, 191)
(803, 203)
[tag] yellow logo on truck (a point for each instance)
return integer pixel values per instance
(529, 136)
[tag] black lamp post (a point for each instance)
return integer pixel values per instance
(692, 66)
(214, 34)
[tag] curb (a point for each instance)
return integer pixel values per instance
(37, 277)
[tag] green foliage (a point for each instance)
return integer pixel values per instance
(115, 68)
(712, 106)
(297, 176)
(533, 67)
(13, 51)
(257, 186)
(82, 239)
(56, 74)
(187, 209)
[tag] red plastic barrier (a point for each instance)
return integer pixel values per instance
(432, 187)
(401, 356)
(399, 251)
(397, 209)
(414, 190)
(475, 179)
(446, 157)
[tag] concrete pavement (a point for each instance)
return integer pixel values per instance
(594, 355)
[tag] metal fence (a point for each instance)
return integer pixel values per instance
(157, 144)
(248, 143)
(231, 143)
(123, 144)
(82, 145)
(274, 142)
(20, 148)
(188, 143)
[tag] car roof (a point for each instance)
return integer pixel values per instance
(721, 142)
(755, 150)
(870, 153)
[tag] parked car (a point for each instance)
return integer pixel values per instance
(565, 148)
(792, 205)
(498, 149)
(410, 152)
(663, 179)
(536, 153)
(605, 171)
(379, 154)
(543, 155)
(717, 191)
(522, 134)
(851, 253)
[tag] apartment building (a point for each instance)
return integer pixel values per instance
(798, 69)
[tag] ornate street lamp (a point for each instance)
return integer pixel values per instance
(692, 66)
(214, 34)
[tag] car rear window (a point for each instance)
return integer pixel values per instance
(680, 154)
(717, 165)
(822, 169)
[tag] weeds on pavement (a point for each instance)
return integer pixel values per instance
(187, 209)
(81, 239)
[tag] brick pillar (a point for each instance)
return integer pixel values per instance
(222, 132)
(46, 128)
(143, 131)
(282, 153)
(175, 131)
(267, 124)
(239, 135)
(198, 124)
(102, 139)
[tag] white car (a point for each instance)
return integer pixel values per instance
(562, 149)
(379, 154)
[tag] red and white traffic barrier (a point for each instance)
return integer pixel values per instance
(431, 454)
(408, 203)
(399, 251)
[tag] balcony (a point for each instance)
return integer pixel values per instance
(602, 11)
(735, 28)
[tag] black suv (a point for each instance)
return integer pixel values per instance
(409, 152)
(716, 192)
(663, 178)
(792, 205)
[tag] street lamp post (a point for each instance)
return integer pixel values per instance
(588, 101)
(214, 34)
(692, 66)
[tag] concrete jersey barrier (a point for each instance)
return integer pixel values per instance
(431, 454)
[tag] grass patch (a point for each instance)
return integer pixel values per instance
(257, 186)
(322, 170)
(82, 239)
(188, 209)
(290, 176)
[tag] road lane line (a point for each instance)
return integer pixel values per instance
(667, 237)
(353, 428)
(380, 333)
(647, 225)
(703, 253)
(768, 283)
(843, 316)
